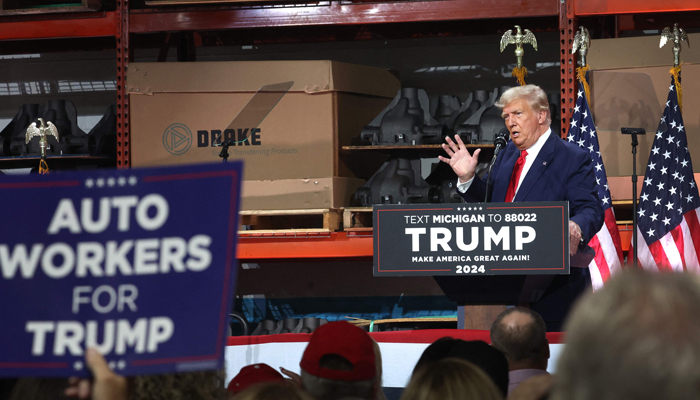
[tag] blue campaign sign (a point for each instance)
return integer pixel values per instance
(139, 263)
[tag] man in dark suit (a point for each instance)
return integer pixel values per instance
(536, 165)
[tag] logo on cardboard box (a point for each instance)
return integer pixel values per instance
(177, 139)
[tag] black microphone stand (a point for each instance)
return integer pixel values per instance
(634, 132)
(500, 143)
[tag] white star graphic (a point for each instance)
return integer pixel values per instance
(573, 123)
(581, 143)
(121, 364)
(112, 365)
(598, 166)
(459, 209)
(641, 213)
(680, 211)
(654, 217)
(681, 178)
(678, 143)
(663, 119)
(675, 175)
(78, 365)
(592, 133)
(660, 186)
(664, 170)
(675, 108)
(689, 198)
(100, 182)
(577, 109)
(647, 182)
(110, 182)
(657, 201)
(89, 183)
(580, 94)
(672, 190)
(590, 149)
(666, 221)
(670, 139)
(651, 166)
(684, 163)
(670, 88)
(585, 114)
(584, 128)
(605, 200)
(650, 232)
(673, 124)
(570, 138)
(667, 155)
(133, 180)
(692, 184)
(668, 104)
(680, 128)
(121, 180)
(605, 186)
(659, 135)
(644, 197)
(655, 150)
(669, 205)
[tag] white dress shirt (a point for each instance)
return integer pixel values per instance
(532, 153)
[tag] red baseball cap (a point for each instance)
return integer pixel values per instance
(252, 374)
(345, 340)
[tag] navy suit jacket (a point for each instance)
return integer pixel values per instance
(561, 172)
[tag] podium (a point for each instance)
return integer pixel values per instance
(484, 256)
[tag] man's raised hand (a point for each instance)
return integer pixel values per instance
(462, 163)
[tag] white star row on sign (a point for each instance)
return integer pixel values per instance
(111, 181)
(470, 208)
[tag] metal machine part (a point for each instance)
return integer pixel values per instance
(406, 120)
(398, 181)
(17, 128)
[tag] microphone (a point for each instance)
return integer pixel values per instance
(500, 141)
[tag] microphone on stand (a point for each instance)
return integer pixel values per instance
(500, 141)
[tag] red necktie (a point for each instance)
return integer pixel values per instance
(515, 178)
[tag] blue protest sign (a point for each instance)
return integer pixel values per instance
(138, 263)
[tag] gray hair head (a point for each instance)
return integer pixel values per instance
(637, 338)
(533, 94)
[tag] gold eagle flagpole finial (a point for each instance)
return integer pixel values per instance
(677, 36)
(518, 40)
(42, 131)
(582, 42)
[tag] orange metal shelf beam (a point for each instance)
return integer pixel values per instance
(144, 21)
(601, 7)
(84, 25)
(333, 245)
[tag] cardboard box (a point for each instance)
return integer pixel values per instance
(178, 109)
(629, 86)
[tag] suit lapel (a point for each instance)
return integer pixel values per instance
(502, 177)
(544, 158)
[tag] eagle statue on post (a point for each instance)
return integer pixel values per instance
(42, 131)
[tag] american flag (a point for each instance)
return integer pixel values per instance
(668, 232)
(606, 243)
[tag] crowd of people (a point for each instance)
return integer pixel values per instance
(637, 338)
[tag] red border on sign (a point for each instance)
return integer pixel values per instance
(492, 269)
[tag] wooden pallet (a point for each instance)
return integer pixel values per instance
(276, 221)
(357, 219)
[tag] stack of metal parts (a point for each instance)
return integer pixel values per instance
(100, 141)
(412, 119)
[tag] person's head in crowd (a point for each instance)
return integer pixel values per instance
(271, 391)
(637, 338)
(521, 335)
(378, 378)
(451, 379)
(339, 362)
(253, 374)
(37, 389)
(486, 357)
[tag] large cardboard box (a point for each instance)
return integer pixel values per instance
(178, 109)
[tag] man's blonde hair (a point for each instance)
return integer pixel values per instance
(533, 94)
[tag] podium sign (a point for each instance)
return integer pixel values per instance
(471, 239)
